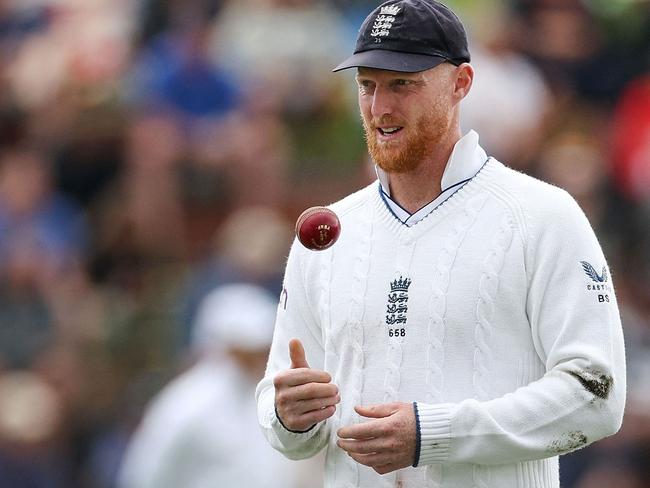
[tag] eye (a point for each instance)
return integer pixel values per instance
(365, 86)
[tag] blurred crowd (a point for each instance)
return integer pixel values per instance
(155, 153)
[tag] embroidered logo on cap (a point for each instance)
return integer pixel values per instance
(389, 10)
(384, 22)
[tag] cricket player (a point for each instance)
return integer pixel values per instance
(464, 330)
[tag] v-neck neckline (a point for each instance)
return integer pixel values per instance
(437, 214)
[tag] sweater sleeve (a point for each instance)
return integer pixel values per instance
(575, 325)
(295, 319)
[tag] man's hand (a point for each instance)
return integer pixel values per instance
(303, 396)
(384, 444)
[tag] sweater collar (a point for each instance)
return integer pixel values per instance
(466, 159)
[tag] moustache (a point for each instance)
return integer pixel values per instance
(384, 121)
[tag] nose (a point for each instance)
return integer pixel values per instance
(382, 103)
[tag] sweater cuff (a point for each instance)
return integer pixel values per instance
(434, 433)
(288, 436)
(277, 416)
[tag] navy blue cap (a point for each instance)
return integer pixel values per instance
(409, 36)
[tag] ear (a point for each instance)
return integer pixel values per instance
(464, 80)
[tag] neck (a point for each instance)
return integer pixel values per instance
(415, 189)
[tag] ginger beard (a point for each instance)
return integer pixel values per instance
(406, 155)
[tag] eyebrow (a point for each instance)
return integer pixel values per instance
(397, 76)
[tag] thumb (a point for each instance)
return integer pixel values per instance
(378, 411)
(297, 354)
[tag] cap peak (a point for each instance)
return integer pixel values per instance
(409, 36)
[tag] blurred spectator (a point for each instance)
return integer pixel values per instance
(631, 141)
(85, 44)
(251, 247)
(574, 162)
(200, 430)
(17, 21)
(572, 41)
(561, 37)
(259, 152)
(43, 239)
(575, 158)
(159, 16)
(506, 83)
(285, 46)
(174, 73)
(26, 320)
(87, 145)
(608, 475)
(34, 218)
(140, 217)
(31, 423)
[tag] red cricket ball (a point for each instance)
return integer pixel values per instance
(318, 228)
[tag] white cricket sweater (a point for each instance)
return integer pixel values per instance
(495, 313)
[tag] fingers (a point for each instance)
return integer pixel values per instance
(318, 403)
(302, 376)
(377, 411)
(297, 354)
(303, 422)
(385, 443)
(366, 430)
(366, 446)
(383, 455)
(305, 398)
(308, 419)
(312, 391)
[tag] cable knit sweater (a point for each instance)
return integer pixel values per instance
(495, 314)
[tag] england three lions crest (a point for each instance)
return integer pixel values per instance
(384, 22)
(397, 307)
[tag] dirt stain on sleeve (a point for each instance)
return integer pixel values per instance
(569, 441)
(595, 382)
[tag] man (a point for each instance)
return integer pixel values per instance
(200, 432)
(463, 331)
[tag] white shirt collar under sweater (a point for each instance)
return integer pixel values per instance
(466, 159)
